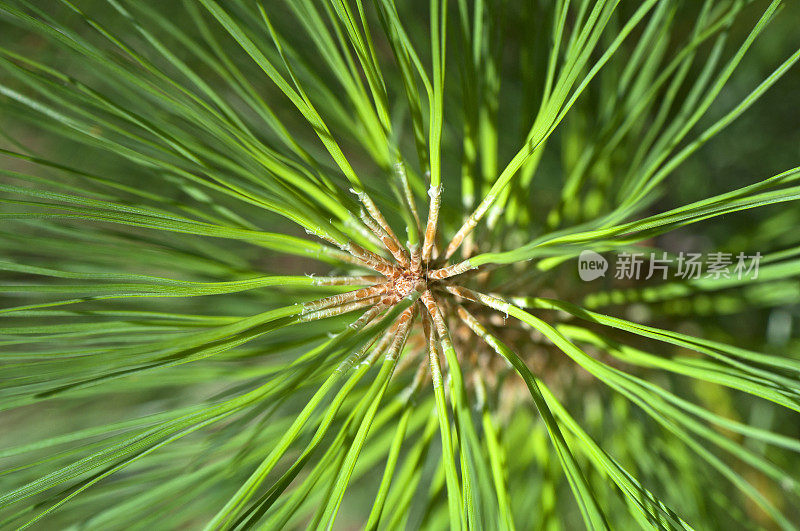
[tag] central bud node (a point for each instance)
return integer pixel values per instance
(405, 282)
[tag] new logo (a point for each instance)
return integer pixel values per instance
(591, 266)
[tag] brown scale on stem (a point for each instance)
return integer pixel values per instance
(404, 272)
(433, 286)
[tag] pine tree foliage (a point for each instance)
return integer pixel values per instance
(312, 264)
